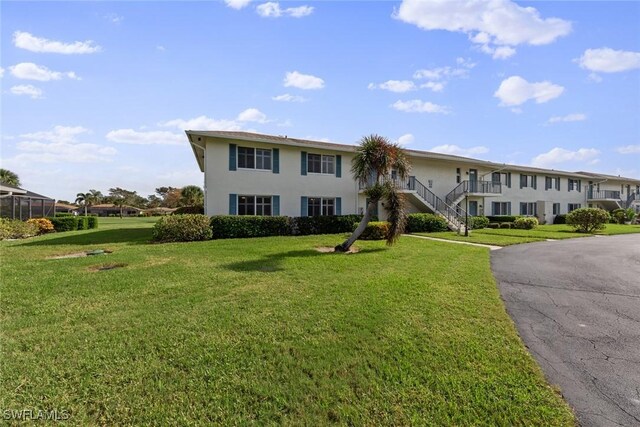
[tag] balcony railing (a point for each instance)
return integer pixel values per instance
(475, 187)
(603, 194)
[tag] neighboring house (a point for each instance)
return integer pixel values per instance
(159, 211)
(18, 203)
(65, 208)
(107, 209)
(253, 174)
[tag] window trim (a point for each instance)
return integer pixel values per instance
(255, 159)
(322, 157)
(322, 200)
(255, 204)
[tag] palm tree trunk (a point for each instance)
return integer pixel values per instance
(85, 210)
(346, 245)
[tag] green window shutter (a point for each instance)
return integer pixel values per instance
(275, 205)
(569, 184)
(275, 160)
(338, 205)
(303, 163)
(509, 179)
(338, 167)
(579, 185)
(547, 183)
(558, 184)
(523, 181)
(508, 208)
(233, 204)
(233, 149)
(304, 206)
(534, 182)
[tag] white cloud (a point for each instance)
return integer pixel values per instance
(607, 60)
(434, 86)
(252, 115)
(289, 98)
(158, 137)
(273, 10)
(595, 78)
(161, 48)
(406, 139)
(60, 145)
(202, 123)
(302, 81)
(629, 149)
(501, 52)
(438, 77)
(31, 71)
(515, 91)
(459, 151)
(30, 42)
(575, 117)
(561, 155)
(1, 72)
(28, 90)
(114, 18)
(493, 24)
(237, 4)
(418, 106)
(398, 86)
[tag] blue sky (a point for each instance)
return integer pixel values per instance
(97, 94)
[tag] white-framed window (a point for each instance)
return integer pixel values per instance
(556, 208)
(503, 178)
(574, 184)
(528, 181)
(552, 183)
(573, 207)
(528, 208)
(501, 208)
(254, 158)
(321, 206)
(255, 205)
(321, 163)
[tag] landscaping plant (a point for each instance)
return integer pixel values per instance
(43, 224)
(588, 220)
(182, 228)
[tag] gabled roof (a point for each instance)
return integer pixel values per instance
(111, 205)
(8, 188)
(195, 138)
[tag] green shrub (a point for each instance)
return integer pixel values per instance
(493, 225)
(525, 223)
(236, 226)
(61, 214)
(83, 223)
(560, 219)
(43, 224)
(16, 229)
(64, 223)
(425, 223)
(182, 228)
(478, 222)
(502, 218)
(92, 222)
(307, 225)
(621, 216)
(193, 210)
(588, 220)
(375, 230)
(506, 224)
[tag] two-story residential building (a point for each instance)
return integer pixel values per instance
(254, 174)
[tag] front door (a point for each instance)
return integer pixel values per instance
(473, 180)
(473, 208)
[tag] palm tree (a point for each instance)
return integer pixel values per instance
(9, 177)
(82, 199)
(371, 167)
(96, 196)
(192, 195)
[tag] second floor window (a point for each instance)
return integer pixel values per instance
(574, 184)
(254, 158)
(317, 163)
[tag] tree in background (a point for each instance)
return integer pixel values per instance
(121, 197)
(170, 196)
(153, 201)
(371, 167)
(191, 195)
(82, 200)
(92, 197)
(9, 177)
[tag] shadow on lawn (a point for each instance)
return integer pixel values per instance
(272, 263)
(134, 236)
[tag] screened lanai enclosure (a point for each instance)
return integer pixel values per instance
(17, 203)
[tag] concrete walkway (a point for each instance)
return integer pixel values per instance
(491, 247)
(576, 304)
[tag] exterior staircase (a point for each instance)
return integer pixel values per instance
(455, 217)
(632, 198)
(465, 188)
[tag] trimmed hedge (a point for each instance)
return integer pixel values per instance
(234, 226)
(92, 222)
(560, 219)
(375, 230)
(306, 225)
(526, 223)
(16, 229)
(588, 220)
(478, 222)
(493, 225)
(425, 223)
(83, 223)
(502, 218)
(505, 225)
(192, 210)
(182, 228)
(64, 223)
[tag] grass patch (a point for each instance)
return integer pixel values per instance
(485, 239)
(262, 331)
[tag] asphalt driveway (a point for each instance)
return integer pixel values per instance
(576, 304)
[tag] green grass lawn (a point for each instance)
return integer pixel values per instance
(262, 331)
(506, 237)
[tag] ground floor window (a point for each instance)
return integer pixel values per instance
(317, 206)
(556, 208)
(254, 205)
(529, 208)
(501, 208)
(573, 207)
